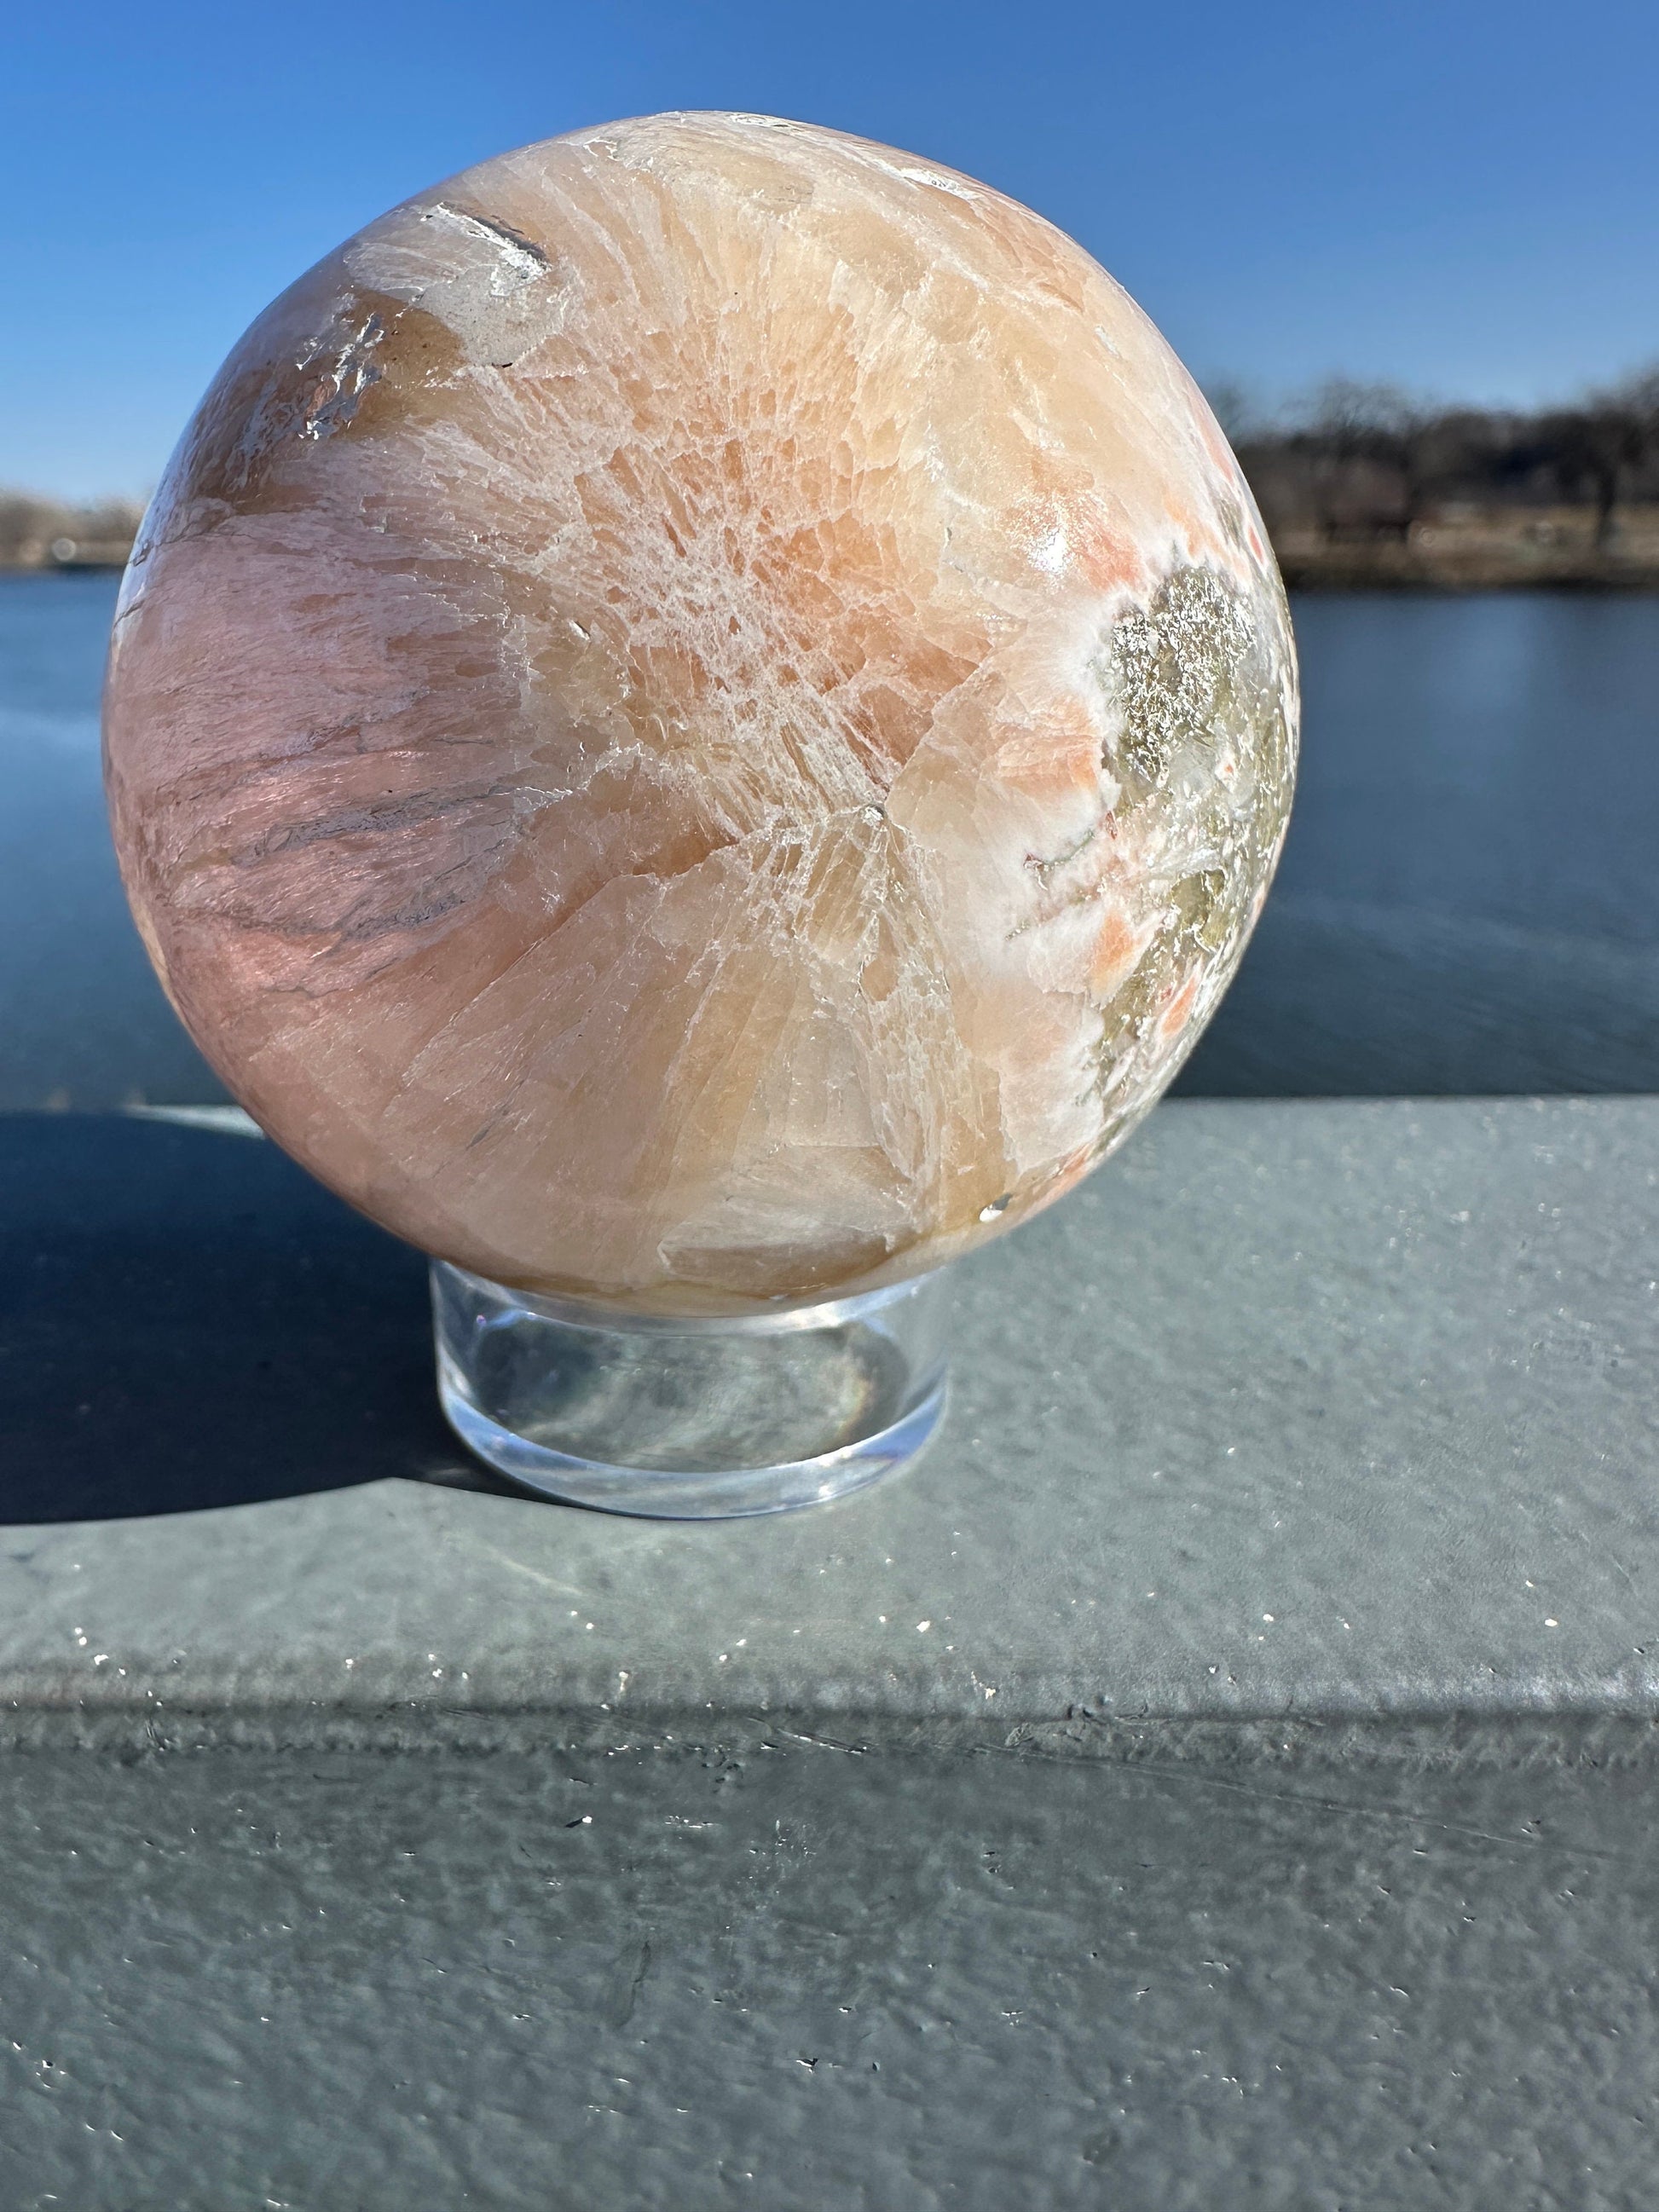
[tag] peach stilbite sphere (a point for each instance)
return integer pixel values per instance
(701, 716)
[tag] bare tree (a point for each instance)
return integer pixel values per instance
(1592, 446)
(1368, 460)
(1234, 409)
(1361, 438)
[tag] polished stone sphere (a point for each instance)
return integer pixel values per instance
(701, 716)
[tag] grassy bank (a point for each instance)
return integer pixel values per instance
(1469, 549)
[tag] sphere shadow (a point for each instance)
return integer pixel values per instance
(187, 1321)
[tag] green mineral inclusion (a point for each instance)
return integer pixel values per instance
(1202, 695)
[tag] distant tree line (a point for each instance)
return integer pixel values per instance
(46, 533)
(1356, 463)
(1368, 461)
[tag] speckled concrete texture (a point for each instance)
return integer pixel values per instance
(1222, 1774)
(798, 1979)
(1299, 1408)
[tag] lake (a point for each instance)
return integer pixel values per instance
(1469, 900)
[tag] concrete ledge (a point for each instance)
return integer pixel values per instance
(1222, 1774)
(921, 1985)
(1299, 1410)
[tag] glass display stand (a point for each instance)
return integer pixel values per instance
(690, 1418)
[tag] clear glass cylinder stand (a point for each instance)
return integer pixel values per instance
(690, 1418)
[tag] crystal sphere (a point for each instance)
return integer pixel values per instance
(701, 717)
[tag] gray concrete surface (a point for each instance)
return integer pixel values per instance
(1295, 1408)
(808, 1982)
(1221, 1775)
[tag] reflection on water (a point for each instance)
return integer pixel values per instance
(1469, 900)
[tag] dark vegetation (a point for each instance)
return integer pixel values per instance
(1364, 483)
(47, 533)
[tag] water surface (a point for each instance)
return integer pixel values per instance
(1468, 901)
(1469, 896)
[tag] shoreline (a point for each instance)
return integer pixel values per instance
(1461, 547)
(1333, 578)
(1456, 552)
(112, 567)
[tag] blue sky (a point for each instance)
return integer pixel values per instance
(1458, 194)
